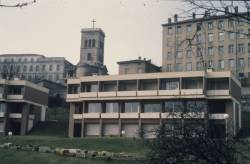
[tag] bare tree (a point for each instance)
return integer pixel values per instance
(17, 4)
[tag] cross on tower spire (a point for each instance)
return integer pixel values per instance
(93, 22)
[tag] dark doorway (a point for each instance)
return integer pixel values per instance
(77, 130)
(15, 128)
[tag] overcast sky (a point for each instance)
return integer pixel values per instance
(52, 28)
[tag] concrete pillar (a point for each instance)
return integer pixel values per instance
(71, 119)
(5, 120)
(43, 113)
(141, 133)
(25, 119)
(83, 121)
(101, 127)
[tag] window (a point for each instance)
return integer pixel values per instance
(231, 49)
(43, 67)
(221, 64)
(85, 43)
(221, 24)
(189, 67)
(89, 43)
(51, 67)
(248, 62)
(189, 53)
(189, 28)
(179, 54)
(210, 64)
(31, 68)
(174, 106)
(89, 56)
(169, 84)
(170, 31)
(210, 51)
(32, 60)
(230, 23)
(168, 69)
(25, 60)
(196, 106)
(241, 34)
(20, 60)
(248, 47)
(93, 43)
(94, 107)
(241, 63)
(178, 67)
(221, 50)
(24, 68)
(199, 66)
(132, 107)
(179, 42)
(198, 26)
(231, 63)
(210, 37)
(198, 38)
(210, 25)
(112, 107)
(169, 56)
(58, 67)
(37, 68)
(241, 48)
(231, 35)
(178, 29)
(199, 52)
(221, 36)
(154, 107)
(57, 77)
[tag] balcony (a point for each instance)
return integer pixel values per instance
(110, 115)
(88, 94)
(2, 114)
(107, 94)
(72, 96)
(126, 93)
(77, 116)
(171, 115)
(15, 97)
(150, 115)
(147, 93)
(191, 91)
(169, 92)
(91, 115)
(129, 115)
(220, 116)
(194, 115)
(218, 92)
(15, 115)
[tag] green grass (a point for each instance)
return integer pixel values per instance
(21, 157)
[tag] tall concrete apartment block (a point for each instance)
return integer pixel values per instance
(219, 42)
(92, 53)
(125, 105)
(22, 105)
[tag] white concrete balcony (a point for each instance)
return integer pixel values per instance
(2, 114)
(218, 92)
(147, 93)
(194, 115)
(73, 96)
(129, 115)
(91, 115)
(169, 92)
(151, 115)
(77, 116)
(15, 97)
(126, 93)
(218, 116)
(88, 94)
(191, 91)
(31, 116)
(107, 94)
(170, 115)
(110, 115)
(15, 115)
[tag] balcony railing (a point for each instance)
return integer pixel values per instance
(218, 92)
(153, 115)
(219, 116)
(191, 91)
(110, 115)
(2, 114)
(15, 97)
(91, 115)
(129, 115)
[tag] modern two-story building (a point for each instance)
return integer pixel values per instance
(22, 105)
(125, 105)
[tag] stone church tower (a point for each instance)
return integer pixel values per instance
(92, 53)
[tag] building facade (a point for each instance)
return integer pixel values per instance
(35, 67)
(126, 105)
(137, 66)
(217, 42)
(22, 105)
(92, 53)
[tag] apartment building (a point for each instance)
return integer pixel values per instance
(33, 67)
(219, 42)
(126, 105)
(22, 105)
(137, 66)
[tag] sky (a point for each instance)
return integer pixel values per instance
(52, 28)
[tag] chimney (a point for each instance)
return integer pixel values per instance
(175, 18)
(194, 16)
(236, 9)
(169, 20)
(139, 58)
